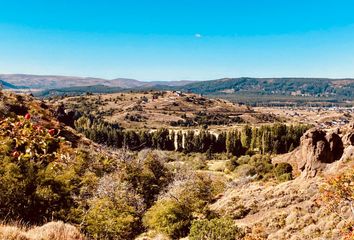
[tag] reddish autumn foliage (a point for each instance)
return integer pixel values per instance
(28, 116)
(15, 154)
(51, 131)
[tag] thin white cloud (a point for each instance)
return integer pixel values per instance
(198, 35)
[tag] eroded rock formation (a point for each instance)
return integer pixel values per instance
(317, 150)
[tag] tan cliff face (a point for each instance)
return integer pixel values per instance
(320, 151)
(317, 149)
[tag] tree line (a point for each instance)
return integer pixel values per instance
(276, 138)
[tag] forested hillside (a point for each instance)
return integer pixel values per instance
(286, 86)
(258, 90)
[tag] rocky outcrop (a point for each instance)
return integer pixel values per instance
(335, 147)
(348, 139)
(66, 116)
(348, 142)
(317, 150)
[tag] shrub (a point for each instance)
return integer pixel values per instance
(243, 160)
(262, 164)
(196, 162)
(195, 192)
(231, 164)
(215, 229)
(244, 171)
(55, 231)
(188, 196)
(49, 231)
(33, 184)
(147, 177)
(285, 177)
(107, 219)
(12, 233)
(283, 171)
(169, 217)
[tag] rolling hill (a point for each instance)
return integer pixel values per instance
(42, 82)
(156, 109)
(7, 85)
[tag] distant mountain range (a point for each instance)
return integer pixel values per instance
(244, 89)
(54, 82)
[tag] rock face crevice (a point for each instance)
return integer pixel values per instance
(317, 150)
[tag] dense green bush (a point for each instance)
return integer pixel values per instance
(170, 217)
(148, 176)
(112, 219)
(122, 197)
(184, 200)
(261, 166)
(283, 171)
(215, 229)
(231, 164)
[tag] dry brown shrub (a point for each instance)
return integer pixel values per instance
(49, 231)
(12, 233)
(55, 231)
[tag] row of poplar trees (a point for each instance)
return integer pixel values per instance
(276, 138)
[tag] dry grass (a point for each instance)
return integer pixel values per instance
(49, 231)
(307, 115)
(217, 165)
(12, 233)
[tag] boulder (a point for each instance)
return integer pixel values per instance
(66, 116)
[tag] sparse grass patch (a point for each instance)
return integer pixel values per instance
(49, 231)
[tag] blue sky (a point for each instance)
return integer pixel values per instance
(178, 39)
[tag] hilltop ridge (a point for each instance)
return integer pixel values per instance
(54, 81)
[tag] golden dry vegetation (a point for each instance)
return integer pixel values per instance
(49, 231)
